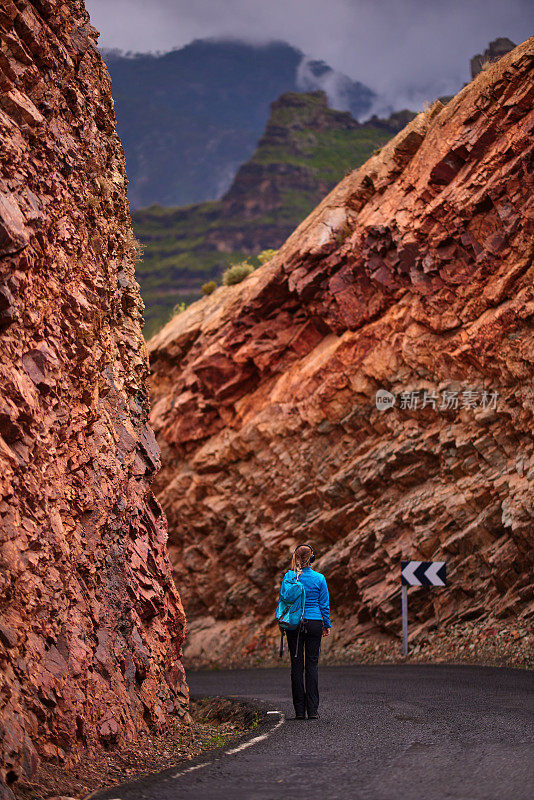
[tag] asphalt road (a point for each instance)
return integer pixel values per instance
(384, 733)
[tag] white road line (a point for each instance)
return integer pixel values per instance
(240, 747)
(257, 738)
(190, 769)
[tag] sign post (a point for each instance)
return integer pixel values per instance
(404, 620)
(418, 573)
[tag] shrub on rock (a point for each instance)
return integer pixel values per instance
(236, 273)
(209, 287)
(266, 255)
(178, 308)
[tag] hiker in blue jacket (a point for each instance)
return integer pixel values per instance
(304, 644)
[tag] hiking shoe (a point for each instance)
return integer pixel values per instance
(298, 716)
(313, 716)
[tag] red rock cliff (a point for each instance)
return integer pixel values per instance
(90, 621)
(415, 276)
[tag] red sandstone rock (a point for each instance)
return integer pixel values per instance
(413, 275)
(90, 622)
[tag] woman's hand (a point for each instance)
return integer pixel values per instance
(326, 631)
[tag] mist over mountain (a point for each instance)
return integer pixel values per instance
(189, 118)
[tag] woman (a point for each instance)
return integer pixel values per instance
(304, 644)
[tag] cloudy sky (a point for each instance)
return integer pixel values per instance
(406, 50)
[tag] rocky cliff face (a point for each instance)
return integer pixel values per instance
(90, 621)
(413, 276)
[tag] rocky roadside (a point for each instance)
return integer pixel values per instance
(491, 644)
(216, 721)
(213, 722)
(468, 643)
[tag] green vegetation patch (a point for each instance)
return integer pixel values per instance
(329, 154)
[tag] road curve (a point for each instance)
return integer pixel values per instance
(384, 733)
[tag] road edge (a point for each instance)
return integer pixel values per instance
(271, 720)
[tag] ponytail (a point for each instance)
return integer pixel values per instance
(301, 558)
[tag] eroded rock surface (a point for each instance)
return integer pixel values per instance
(413, 275)
(91, 624)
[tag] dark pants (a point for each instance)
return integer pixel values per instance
(304, 662)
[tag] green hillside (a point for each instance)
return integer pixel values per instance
(307, 148)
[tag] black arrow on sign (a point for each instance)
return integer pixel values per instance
(423, 573)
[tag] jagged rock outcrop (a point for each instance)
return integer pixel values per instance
(305, 145)
(495, 50)
(413, 276)
(91, 624)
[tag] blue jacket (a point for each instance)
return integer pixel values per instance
(317, 602)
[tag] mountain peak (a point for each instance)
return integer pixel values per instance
(189, 117)
(495, 50)
(297, 110)
(284, 161)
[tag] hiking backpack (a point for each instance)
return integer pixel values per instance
(290, 608)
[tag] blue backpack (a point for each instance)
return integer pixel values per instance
(290, 608)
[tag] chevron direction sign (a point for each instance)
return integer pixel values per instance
(418, 573)
(423, 573)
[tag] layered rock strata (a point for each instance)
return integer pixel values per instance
(414, 276)
(91, 624)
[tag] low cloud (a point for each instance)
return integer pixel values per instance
(407, 51)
